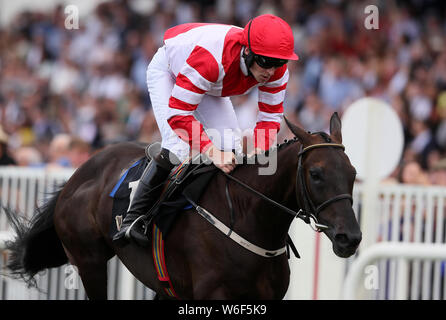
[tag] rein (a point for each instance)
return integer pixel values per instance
(308, 212)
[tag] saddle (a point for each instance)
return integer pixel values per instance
(187, 180)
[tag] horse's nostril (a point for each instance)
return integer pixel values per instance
(341, 239)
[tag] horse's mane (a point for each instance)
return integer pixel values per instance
(247, 159)
(286, 143)
(282, 145)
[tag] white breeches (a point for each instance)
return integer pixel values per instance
(216, 114)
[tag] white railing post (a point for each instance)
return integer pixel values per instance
(126, 283)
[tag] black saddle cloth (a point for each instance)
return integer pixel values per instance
(193, 184)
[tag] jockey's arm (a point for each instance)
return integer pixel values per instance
(193, 81)
(271, 96)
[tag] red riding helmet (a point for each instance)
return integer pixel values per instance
(270, 36)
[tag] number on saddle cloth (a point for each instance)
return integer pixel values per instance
(121, 192)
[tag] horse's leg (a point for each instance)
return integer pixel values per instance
(94, 279)
(91, 265)
(77, 226)
(92, 269)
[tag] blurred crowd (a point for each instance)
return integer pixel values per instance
(64, 94)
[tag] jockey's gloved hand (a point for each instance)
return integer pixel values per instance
(224, 160)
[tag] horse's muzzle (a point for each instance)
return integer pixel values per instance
(345, 245)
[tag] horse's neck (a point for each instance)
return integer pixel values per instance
(279, 186)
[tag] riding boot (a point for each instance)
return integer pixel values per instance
(147, 193)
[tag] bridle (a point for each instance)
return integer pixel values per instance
(308, 212)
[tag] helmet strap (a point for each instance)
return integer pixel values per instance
(249, 58)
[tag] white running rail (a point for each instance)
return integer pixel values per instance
(398, 250)
(22, 189)
(406, 216)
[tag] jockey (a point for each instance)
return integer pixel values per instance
(190, 80)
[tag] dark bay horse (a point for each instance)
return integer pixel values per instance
(203, 262)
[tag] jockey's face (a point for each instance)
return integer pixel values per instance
(261, 75)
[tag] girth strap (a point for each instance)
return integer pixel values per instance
(234, 236)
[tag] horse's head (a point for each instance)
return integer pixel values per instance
(324, 185)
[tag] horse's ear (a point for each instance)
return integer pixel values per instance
(301, 134)
(335, 127)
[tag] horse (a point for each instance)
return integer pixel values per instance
(314, 178)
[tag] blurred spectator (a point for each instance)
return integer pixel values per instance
(28, 157)
(313, 117)
(59, 152)
(91, 82)
(336, 87)
(149, 131)
(133, 115)
(83, 121)
(440, 136)
(438, 173)
(412, 173)
(5, 157)
(79, 152)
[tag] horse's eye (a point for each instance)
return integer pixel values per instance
(316, 174)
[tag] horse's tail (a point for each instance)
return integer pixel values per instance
(36, 245)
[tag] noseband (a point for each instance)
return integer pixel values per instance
(308, 211)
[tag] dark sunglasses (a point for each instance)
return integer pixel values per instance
(267, 62)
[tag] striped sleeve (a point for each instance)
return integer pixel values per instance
(271, 96)
(195, 78)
